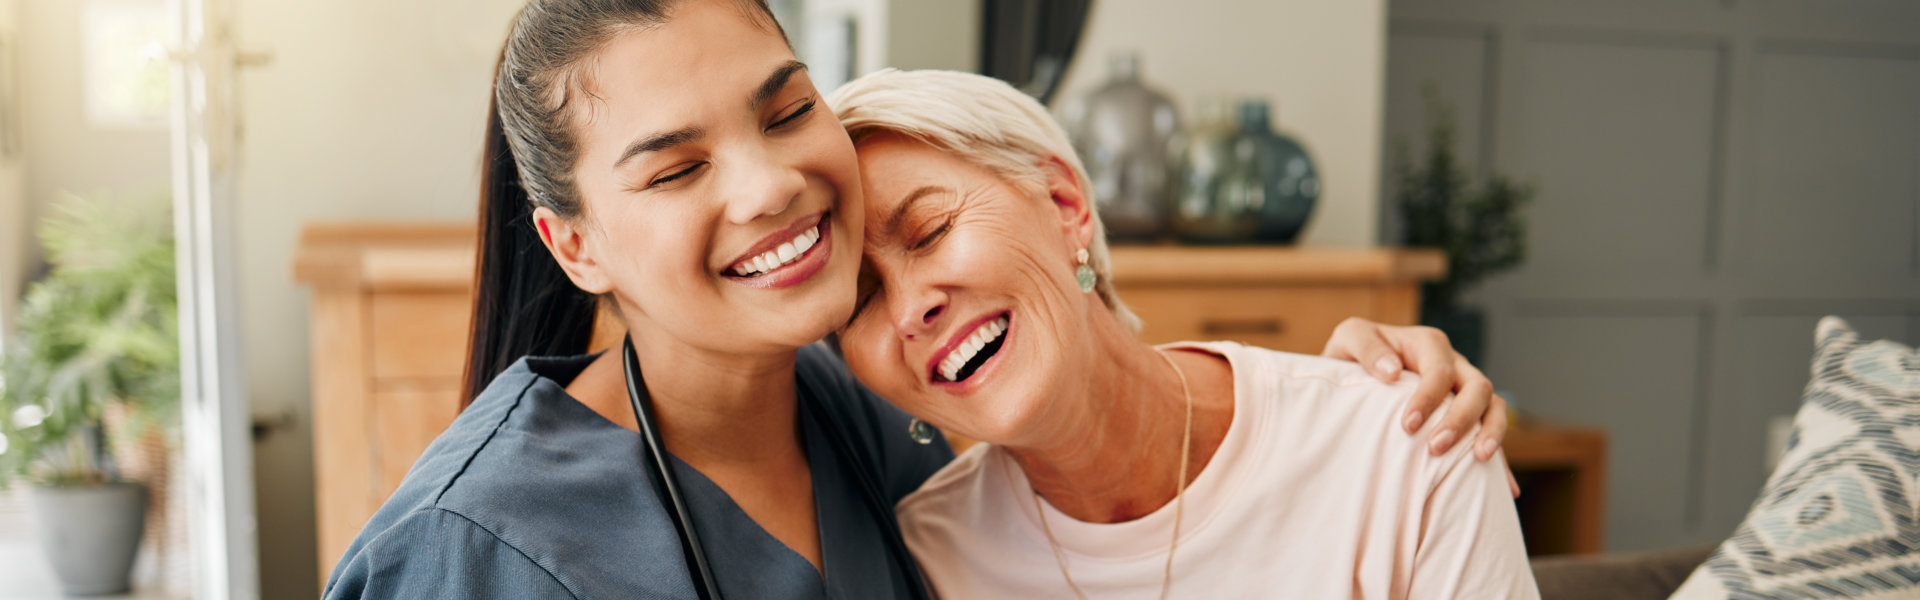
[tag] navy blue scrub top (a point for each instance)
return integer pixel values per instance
(530, 494)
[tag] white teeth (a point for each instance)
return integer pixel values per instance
(966, 350)
(779, 257)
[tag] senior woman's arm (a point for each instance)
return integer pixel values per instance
(1385, 350)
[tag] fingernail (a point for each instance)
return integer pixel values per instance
(1486, 448)
(1442, 441)
(1387, 365)
(1413, 421)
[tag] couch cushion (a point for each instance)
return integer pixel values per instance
(1840, 517)
(1651, 574)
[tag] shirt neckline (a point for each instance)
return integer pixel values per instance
(1149, 535)
(831, 482)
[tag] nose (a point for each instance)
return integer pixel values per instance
(918, 314)
(761, 184)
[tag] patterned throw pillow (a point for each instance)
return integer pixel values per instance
(1840, 517)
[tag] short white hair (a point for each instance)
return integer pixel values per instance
(983, 121)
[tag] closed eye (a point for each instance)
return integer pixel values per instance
(669, 178)
(933, 236)
(804, 110)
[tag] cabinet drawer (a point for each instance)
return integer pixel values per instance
(1292, 319)
(419, 335)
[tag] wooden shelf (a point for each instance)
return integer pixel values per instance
(1281, 297)
(1562, 472)
(1296, 265)
(386, 256)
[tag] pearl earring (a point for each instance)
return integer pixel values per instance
(1083, 273)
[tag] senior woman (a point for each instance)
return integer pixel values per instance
(1114, 468)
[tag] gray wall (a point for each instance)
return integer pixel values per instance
(1714, 176)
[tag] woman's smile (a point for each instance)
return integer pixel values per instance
(967, 292)
(970, 356)
(721, 205)
(786, 257)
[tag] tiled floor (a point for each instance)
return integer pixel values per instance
(24, 573)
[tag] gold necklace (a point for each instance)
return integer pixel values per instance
(1179, 495)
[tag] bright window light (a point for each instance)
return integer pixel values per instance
(125, 63)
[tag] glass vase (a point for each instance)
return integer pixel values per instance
(1123, 131)
(1283, 183)
(1213, 202)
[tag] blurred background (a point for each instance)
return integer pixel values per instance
(1635, 212)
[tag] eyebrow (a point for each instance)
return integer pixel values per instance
(659, 142)
(900, 212)
(776, 82)
(768, 87)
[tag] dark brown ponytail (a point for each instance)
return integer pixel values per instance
(522, 303)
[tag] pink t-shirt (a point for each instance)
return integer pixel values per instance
(1316, 492)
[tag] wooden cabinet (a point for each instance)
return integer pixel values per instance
(389, 316)
(390, 311)
(1285, 298)
(1562, 472)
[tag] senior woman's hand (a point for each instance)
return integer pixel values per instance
(1385, 350)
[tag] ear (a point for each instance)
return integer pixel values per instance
(567, 240)
(1076, 214)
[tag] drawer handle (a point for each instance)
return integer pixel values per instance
(1241, 327)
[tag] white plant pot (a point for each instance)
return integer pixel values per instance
(90, 534)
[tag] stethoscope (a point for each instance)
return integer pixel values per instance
(667, 486)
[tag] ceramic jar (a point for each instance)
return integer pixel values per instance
(1124, 132)
(1240, 181)
(1210, 202)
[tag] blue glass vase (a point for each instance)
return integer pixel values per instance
(1282, 182)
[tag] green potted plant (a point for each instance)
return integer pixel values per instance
(1478, 224)
(97, 338)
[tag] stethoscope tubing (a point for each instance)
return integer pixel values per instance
(667, 486)
(665, 483)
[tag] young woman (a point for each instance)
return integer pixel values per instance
(672, 162)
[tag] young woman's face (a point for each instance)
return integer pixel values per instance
(968, 314)
(722, 198)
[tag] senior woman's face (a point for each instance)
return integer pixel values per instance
(968, 306)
